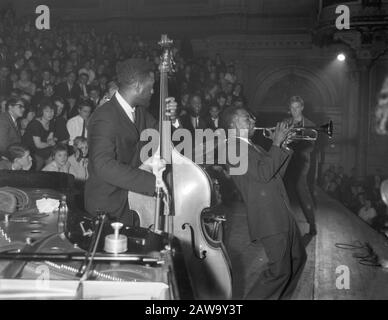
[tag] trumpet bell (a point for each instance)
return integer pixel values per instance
(327, 128)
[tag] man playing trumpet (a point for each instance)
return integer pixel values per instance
(299, 165)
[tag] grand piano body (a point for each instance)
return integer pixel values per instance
(38, 262)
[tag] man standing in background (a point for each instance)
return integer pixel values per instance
(299, 165)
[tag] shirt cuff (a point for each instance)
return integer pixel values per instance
(176, 124)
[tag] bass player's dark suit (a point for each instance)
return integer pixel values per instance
(114, 158)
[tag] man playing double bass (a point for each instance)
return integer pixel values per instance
(114, 143)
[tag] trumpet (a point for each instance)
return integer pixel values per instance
(303, 133)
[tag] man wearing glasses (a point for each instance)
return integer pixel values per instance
(9, 130)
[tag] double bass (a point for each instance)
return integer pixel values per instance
(190, 186)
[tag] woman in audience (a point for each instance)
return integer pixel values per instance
(60, 131)
(60, 162)
(78, 161)
(29, 115)
(39, 135)
(17, 157)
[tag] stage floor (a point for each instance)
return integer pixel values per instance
(330, 273)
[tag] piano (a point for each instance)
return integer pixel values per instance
(38, 261)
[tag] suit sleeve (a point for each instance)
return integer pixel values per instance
(265, 167)
(102, 153)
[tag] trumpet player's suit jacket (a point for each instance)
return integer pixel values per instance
(263, 191)
(114, 158)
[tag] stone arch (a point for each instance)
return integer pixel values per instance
(313, 79)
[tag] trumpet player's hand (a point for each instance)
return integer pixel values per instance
(288, 140)
(280, 134)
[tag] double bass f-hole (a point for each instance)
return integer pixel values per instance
(201, 255)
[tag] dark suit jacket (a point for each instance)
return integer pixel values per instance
(185, 122)
(263, 191)
(9, 133)
(210, 123)
(63, 91)
(114, 158)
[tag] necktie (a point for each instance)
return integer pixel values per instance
(83, 129)
(196, 122)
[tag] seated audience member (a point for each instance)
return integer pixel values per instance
(221, 100)
(78, 161)
(193, 120)
(39, 135)
(82, 82)
(184, 103)
(60, 130)
(25, 84)
(94, 97)
(238, 91)
(68, 89)
(5, 81)
(60, 162)
(77, 126)
(17, 157)
(367, 212)
(213, 120)
(86, 69)
(29, 115)
(238, 102)
(9, 130)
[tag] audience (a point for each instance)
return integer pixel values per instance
(51, 81)
(361, 196)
